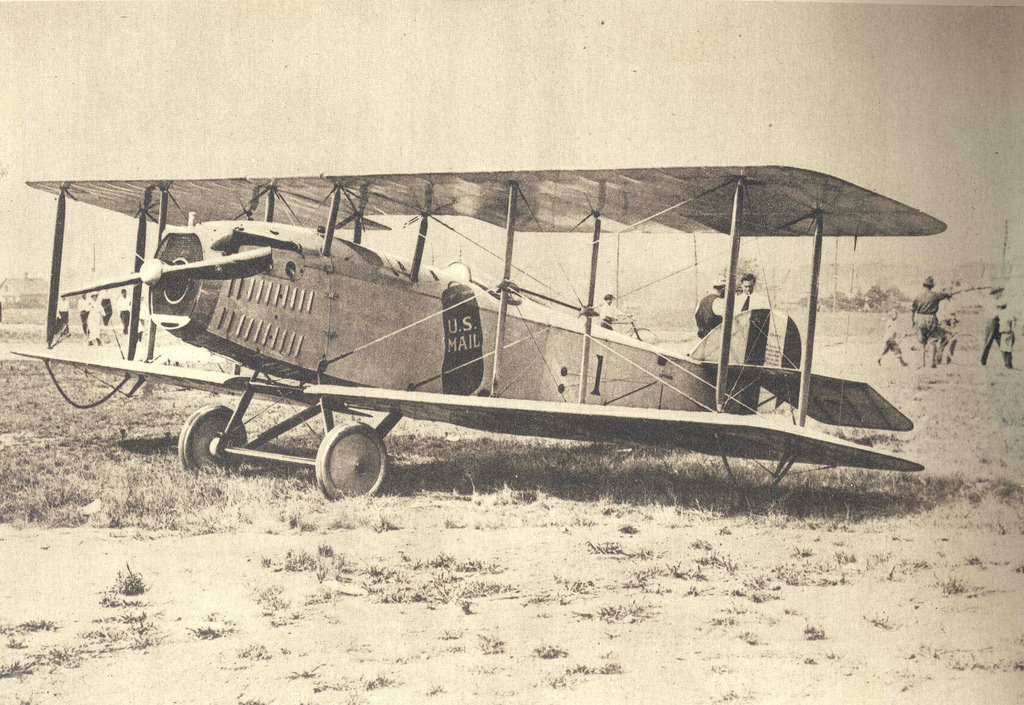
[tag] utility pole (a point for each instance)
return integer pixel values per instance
(1006, 237)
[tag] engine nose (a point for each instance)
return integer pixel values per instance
(172, 300)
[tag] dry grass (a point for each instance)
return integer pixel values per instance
(124, 454)
(493, 560)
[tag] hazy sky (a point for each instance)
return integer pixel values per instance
(922, 104)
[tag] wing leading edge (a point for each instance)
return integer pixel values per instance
(779, 201)
(713, 434)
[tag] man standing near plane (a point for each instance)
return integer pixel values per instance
(95, 319)
(747, 299)
(710, 309)
(83, 314)
(924, 314)
(124, 310)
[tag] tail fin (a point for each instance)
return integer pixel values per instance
(760, 337)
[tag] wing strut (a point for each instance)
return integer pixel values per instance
(161, 225)
(268, 214)
(332, 221)
(140, 257)
(55, 262)
(588, 312)
(421, 240)
(812, 317)
(730, 296)
(364, 197)
(499, 333)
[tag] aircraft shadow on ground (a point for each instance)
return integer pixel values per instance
(154, 445)
(638, 476)
(654, 477)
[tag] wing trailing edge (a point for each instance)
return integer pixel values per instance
(749, 437)
(714, 434)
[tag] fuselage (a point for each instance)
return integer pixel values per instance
(359, 317)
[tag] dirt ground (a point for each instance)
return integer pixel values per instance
(539, 585)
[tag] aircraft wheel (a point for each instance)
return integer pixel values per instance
(198, 434)
(351, 461)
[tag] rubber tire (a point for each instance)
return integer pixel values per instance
(351, 461)
(199, 431)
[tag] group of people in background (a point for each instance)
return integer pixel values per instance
(937, 334)
(96, 315)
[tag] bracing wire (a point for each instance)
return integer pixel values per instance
(394, 333)
(114, 389)
(291, 213)
(540, 353)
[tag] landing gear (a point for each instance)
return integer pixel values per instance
(782, 469)
(200, 431)
(351, 461)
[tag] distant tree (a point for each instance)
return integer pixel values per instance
(876, 298)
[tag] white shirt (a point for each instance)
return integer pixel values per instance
(757, 301)
(608, 311)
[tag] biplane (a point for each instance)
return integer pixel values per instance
(330, 325)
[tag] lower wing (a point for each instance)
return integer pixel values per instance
(714, 434)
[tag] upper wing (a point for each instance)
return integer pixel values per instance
(714, 434)
(779, 201)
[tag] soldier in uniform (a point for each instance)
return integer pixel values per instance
(924, 315)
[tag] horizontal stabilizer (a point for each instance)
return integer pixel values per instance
(838, 402)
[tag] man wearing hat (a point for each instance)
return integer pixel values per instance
(608, 313)
(710, 309)
(924, 314)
